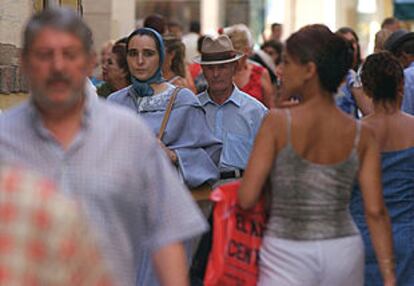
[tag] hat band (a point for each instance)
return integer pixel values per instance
(210, 57)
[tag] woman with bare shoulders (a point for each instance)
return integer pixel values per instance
(383, 80)
(310, 237)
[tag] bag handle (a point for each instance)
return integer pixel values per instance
(167, 113)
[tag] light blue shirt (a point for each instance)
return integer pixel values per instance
(344, 98)
(236, 123)
(187, 132)
(408, 97)
(116, 170)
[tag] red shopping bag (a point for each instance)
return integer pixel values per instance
(237, 236)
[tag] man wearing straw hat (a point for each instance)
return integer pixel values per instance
(233, 116)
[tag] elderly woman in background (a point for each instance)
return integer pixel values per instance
(250, 77)
(115, 70)
(187, 140)
(382, 79)
(105, 52)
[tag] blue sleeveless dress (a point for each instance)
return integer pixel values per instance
(398, 187)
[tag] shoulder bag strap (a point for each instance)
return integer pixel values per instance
(167, 113)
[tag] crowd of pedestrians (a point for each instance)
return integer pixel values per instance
(134, 153)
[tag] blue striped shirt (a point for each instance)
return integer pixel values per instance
(115, 168)
(236, 123)
(408, 98)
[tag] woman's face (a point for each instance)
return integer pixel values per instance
(142, 57)
(112, 72)
(292, 75)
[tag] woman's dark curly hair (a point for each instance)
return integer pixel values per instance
(330, 52)
(382, 76)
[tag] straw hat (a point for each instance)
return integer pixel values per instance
(216, 51)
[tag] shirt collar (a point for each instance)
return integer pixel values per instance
(235, 98)
(411, 64)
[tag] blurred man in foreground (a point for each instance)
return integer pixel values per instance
(100, 154)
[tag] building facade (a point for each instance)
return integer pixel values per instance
(113, 19)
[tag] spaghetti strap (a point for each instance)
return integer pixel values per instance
(288, 124)
(357, 133)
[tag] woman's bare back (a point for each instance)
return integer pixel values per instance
(321, 138)
(394, 131)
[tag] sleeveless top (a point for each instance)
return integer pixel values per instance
(309, 200)
(398, 190)
(254, 86)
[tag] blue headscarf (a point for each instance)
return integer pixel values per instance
(143, 88)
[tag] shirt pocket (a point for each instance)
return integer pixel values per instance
(236, 150)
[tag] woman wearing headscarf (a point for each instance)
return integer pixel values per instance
(187, 140)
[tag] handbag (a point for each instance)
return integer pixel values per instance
(237, 237)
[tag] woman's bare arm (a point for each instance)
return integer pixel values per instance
(375, 211)
(260, 162)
